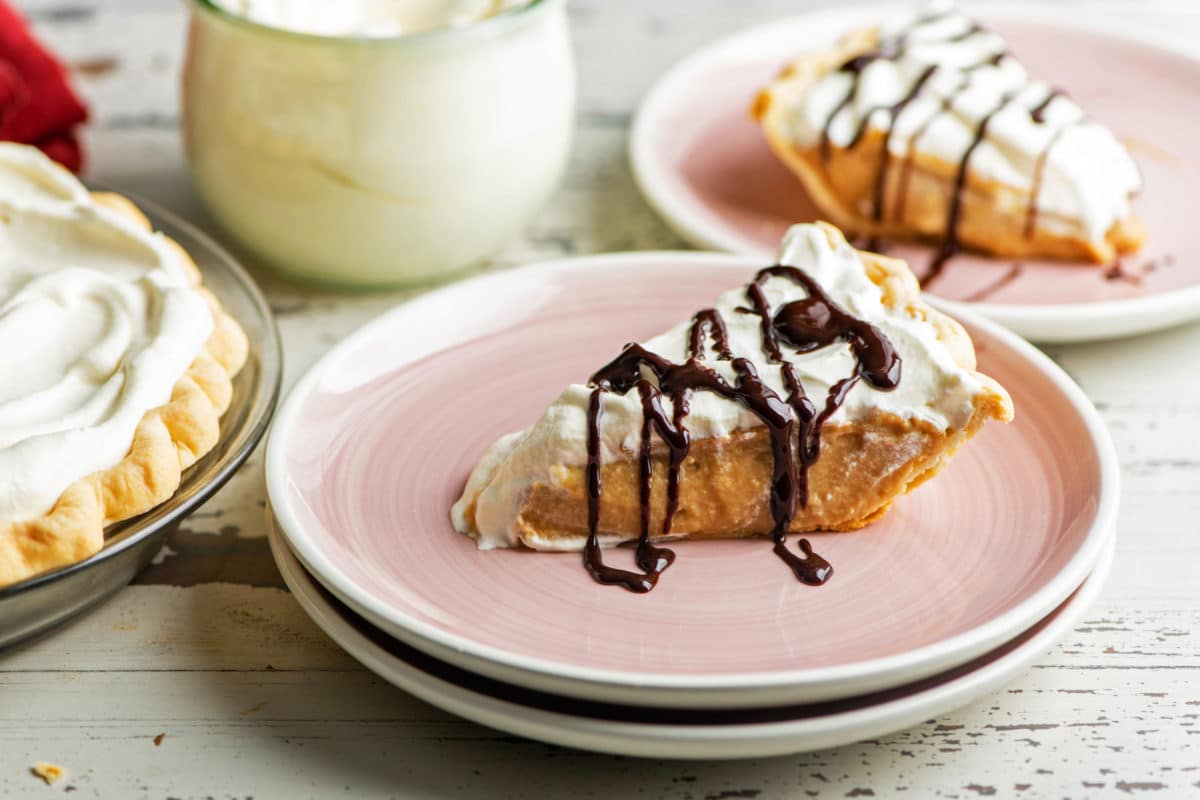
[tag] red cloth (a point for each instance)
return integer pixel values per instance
(37, 104)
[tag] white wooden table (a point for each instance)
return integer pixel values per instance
(205, 679)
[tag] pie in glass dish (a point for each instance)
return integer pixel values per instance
(115, 365)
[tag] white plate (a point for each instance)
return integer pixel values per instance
(738, 734)
(1048, 302)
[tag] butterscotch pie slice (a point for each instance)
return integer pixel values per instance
(931, 129)
(807, 400)
(115, 365)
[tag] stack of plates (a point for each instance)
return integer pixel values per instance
(962, 585)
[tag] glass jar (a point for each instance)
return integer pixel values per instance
(372, 162)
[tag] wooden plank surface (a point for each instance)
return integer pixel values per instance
(205, 679)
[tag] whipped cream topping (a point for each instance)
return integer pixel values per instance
(97, 323)
(367, 18)
(1087, 178)
(933, 387)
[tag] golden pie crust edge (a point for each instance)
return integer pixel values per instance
(993, 215)
(725, 481)
(168, 440)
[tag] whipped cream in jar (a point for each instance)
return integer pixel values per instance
(372, 143)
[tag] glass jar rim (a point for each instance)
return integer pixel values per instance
(495, 24)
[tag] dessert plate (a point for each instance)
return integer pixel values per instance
(374, 445)
(678, 733)
(705, 166)
(31, 606)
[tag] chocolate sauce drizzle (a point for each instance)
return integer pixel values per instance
(1038, 112)
(885, 159)
(855, 67)
(1011, 274)
(1039, 169)
(804, 325)
(893, 48)
(1120, 269)
(950, 245)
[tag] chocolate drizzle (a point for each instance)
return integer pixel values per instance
(950, 245)
(1121, 270)
(855, 67)
(885, 158)
(1039, 171)
(1011, 274)
(805, 325)
(966, 33)
(709, 321)
(1038, 112)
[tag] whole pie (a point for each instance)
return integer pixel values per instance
(115, 365)
(806, 400)
(930, 128)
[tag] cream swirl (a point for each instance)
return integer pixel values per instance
(97, 324)
(975, 78)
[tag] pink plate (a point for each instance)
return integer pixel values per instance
(374, 444)
(705, 166)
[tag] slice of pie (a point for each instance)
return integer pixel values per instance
(931, 129)
(807, 400)
(115, 365)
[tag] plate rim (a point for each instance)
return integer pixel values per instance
(591, 682)
(699, 740)
(1051, 323)
(270, 385)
